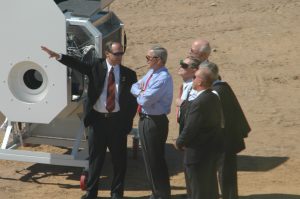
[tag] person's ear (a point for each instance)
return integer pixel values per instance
(159, 61)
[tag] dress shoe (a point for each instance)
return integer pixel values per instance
(185, 196)
(154, 197)
(116, 196)
(158, 197)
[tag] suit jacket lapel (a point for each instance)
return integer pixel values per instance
(104, 72)
(122, 79)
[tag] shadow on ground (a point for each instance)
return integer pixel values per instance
(136, 176)
(259, 163)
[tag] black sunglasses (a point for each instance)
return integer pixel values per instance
(185, 65)
(150, 58)
(117, 53)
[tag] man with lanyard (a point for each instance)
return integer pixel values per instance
(187, 70)
(154, 93)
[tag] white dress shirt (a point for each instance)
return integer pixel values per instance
(100, 105)
(186, 87)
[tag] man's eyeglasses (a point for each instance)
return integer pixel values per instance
(117, 53)
(185, 65)
(150, 58)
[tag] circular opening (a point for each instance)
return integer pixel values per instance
(28, 82)
(33, 79)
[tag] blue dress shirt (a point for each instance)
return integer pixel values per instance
(157, 97)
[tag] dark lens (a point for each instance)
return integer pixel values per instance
(185, 66)
(118, 53)
(148, 57)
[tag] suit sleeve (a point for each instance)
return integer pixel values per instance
(235, 119)
(76, 64)
(194, 122)
(132, 104)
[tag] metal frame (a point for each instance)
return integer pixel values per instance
(8, 149)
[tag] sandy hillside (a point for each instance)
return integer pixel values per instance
(256, 45)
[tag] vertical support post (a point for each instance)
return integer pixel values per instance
(3, 124)
(78, 139)
(6, 136)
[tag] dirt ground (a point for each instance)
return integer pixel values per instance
(256, 45)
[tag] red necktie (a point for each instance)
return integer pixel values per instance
(179, 96)
(111, 91)
(139, 108)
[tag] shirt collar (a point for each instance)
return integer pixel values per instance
(163, 68)
(187, 82)
(116, 67)
(217, 81)
(197, 93)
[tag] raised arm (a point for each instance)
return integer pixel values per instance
(69, 61)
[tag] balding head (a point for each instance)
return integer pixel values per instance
(200, 49)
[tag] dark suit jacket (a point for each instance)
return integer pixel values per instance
(96, 72)
(183, 113)
(236, 125)
(202, 129)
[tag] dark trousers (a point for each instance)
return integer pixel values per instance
(107, 134)
(227, 173)
(153, 134)
(202, 178)
(187, 184)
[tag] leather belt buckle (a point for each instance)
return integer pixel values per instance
(106, 115)
(143, 115)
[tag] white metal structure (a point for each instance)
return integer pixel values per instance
(28, 25)
(36, 92)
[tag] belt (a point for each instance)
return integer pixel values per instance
(108, 115)
(143, 115)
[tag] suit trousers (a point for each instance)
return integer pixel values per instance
(106, 133)
(202, 178)
(187, 184)
(227, 173)
(153, 132)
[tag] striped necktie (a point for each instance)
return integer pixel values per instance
(111, 91)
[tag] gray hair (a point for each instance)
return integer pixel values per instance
(214, 69)
(160, 52)
(205, 48)
(206, 76)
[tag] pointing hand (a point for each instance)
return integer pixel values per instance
(50, 52)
